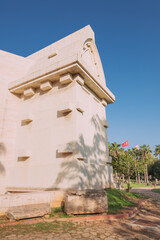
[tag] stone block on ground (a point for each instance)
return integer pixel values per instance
(86, 202)
(28, 211)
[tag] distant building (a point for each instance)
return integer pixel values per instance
(53, 128)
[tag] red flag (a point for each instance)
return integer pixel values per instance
(125, 144)
(137, 146)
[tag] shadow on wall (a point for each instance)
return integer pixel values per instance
(2, 153)
(86, 168)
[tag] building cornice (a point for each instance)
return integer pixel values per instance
(73, 65)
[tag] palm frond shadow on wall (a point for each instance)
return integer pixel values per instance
(93, 171)
(2, 153)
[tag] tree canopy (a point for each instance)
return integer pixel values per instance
(157, 151)
(134, 163)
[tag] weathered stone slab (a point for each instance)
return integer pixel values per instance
(86, 202)
(28, 211)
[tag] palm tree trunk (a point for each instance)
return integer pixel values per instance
(116, 176)
(139, 180)
(122, 178)
(128, 178)
(136, 168)
(145, 177)
(146, 173)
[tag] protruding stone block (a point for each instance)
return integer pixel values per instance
(65, 148)
(105, 124)
(66, 78)
(104, 102)
(66, 108)
(52, 55)
(29, 92)
(23, 153)
(79, 79)
(26, 121)
(86, 202)
(108, 160)
(28, 211)
(81, 158)
(45, 86)
(26, 118)
(80, 107)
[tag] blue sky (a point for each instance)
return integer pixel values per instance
(128, 40)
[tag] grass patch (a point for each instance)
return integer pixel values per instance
(136, 185)
(117, 199)
(46, 226)
(59, 213)
(135, 195)
(156, 190)
(3, 218)
(42, 227)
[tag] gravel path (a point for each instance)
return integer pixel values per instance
(147, 191)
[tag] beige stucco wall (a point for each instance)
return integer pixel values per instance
(11, 67)
(49, 130)
(41, 138)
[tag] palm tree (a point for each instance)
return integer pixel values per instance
(146, 154)
(157, 151)
(135, 154)
(114, 153)
(129, 166)
(114, 149)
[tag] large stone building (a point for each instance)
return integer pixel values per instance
(53, 128)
